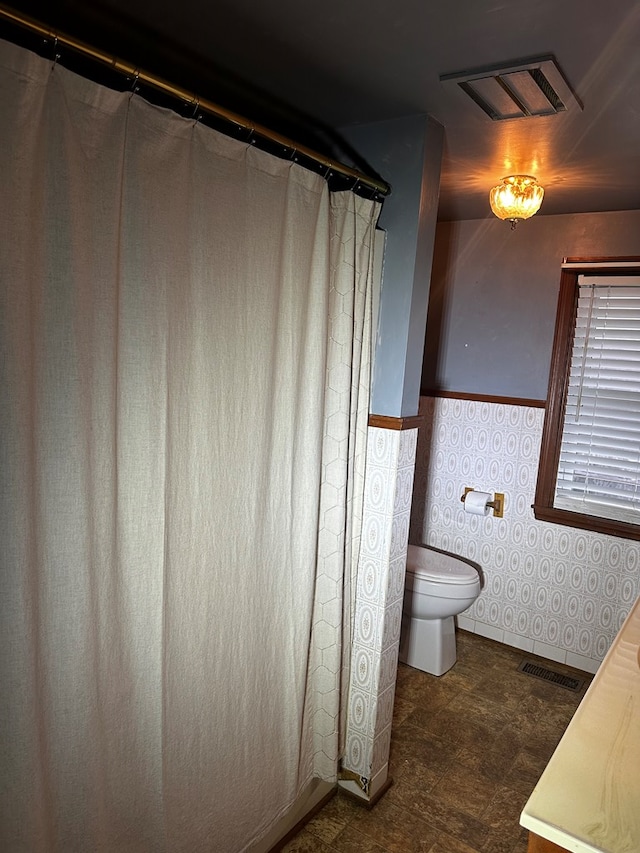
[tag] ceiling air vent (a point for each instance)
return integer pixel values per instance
(519, 89)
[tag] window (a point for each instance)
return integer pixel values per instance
(589, 473)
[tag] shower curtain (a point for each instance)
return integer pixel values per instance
(184, 371)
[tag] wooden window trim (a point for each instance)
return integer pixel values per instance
(543, 508)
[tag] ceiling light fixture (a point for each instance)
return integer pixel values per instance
(517, 197)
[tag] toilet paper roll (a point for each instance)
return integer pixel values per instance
(475, 503)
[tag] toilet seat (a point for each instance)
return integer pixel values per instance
(442, 568)
(441, 587)
(462, 575)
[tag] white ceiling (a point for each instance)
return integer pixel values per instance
(345, 62)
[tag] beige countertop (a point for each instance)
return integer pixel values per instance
(588, 798)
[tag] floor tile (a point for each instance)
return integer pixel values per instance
(306, 842)
(352, 841)
(396, 829)
(333, 818)
(466, 789)
(467, 749)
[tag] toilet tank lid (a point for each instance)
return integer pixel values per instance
(435, 566)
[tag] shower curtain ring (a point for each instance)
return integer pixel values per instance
(56, 55)
(134, 82)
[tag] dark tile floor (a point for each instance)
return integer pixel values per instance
(466, 751)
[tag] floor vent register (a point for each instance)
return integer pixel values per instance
(569, 682)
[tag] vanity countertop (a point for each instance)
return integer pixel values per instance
(588, 798)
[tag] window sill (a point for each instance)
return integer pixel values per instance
(586, 522)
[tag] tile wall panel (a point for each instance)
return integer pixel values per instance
(549, 589)
(378, 609)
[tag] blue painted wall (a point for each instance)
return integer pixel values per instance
(494, 292)
(407, 152)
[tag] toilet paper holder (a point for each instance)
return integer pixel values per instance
(497, 504)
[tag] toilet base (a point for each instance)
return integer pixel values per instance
(428, 644)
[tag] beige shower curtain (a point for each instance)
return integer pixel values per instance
(185, 367)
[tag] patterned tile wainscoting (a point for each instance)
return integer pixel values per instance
(556, 591)
(378, 609)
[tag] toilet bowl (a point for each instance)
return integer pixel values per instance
(438, 586)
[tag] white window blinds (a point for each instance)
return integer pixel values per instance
(599, 468)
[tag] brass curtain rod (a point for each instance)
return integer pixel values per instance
(141, 76)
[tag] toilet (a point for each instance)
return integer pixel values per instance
(437, 587)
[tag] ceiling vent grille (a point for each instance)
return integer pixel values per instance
(520, 89)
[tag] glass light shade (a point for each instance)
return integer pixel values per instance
(517, 197)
